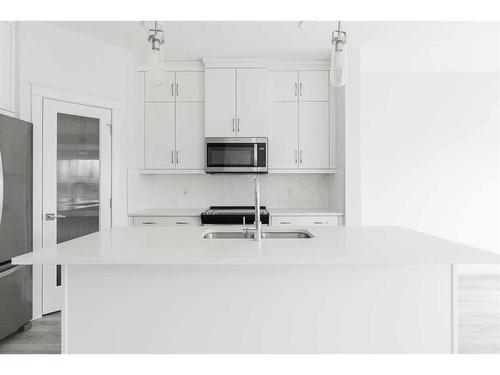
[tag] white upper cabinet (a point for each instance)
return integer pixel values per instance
(251, 107)
(314, 135)
(283, 86)
(236, 102)
(159, 135)
(163, 92)
(314, 86)
(190, 137)
(220, 103)
(6, 66)
(283, 135)
(190, 86)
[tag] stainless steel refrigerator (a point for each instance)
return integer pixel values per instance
(16, 194)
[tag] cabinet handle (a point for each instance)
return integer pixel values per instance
(177, 156)
(300, 89)
(300, 156)
(318, 222)
(172, 89)
(177, 89)
(148, 223)
(233, 124)
(173, 157)
(238, 127)
(181, 222)
(285, 222)
(296, 88)
(296, 160)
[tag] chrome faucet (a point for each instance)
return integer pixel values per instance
(257, 229)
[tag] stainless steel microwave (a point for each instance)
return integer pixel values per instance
(236, 155)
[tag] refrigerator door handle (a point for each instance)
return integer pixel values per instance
(10, 271)
(1, 186)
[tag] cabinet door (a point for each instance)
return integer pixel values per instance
(159, 135)
(220, 102)
(5, 66)
(283, 135)
(314, 135)
(283, 86)
(190, 86)
(165, 221)
(314, 86)
(164, 92)
(252, 103)
(190, 135)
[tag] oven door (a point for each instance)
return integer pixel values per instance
(235, 155)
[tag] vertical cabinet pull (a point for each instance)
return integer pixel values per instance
(238, 127)
(177, 89)
(296, 88)
(300, 156)
(300, 89)
(296, 160)
(172, 89)
(233, 124)
(173, 157)
(177, 156)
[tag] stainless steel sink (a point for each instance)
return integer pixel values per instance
(250, 235)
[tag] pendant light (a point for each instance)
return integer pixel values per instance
(337, 72)
(156, 70)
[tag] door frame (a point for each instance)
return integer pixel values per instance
(38, 94)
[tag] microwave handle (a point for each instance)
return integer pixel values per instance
(255, 159)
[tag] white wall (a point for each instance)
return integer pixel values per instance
(429, 130)
(57, 58)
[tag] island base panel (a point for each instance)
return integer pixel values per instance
(258, 309)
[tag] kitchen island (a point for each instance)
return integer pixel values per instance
(344, 290)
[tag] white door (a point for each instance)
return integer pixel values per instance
(190, 135)
(163, 92)
(283, 135)
(283, 86)
(76, 181)
(252, 87)
(314, 135)
(159, 135)
(220, 103)
(190, 86)
(314, 86)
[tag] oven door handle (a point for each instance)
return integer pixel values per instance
(255, 158)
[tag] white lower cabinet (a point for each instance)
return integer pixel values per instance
(164, 221)
(332, 221)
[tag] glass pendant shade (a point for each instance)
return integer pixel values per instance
(156, 70)
(337, 72)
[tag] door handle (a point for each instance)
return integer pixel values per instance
(300, 156)
(181, 222)
(233, 124)
(238, 127)
(300, 89)
(296, 88)
(172, 89)
(50, 217)
(172, 157)
(177, 89)
(177, 156)
(296, 157)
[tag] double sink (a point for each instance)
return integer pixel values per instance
(241, 235)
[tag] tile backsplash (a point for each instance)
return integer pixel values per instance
(203, 190)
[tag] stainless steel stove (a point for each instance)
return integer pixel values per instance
(233, 215)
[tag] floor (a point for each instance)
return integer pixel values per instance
(478, 321)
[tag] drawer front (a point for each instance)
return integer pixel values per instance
(306, 220)
(163, 221)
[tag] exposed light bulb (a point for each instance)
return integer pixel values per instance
(156, 70)
(337, 74)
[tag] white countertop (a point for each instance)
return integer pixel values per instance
(169, 212)
(304, 212)
(330, 245)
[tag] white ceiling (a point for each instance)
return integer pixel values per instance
(385, 45)
(198, 39)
